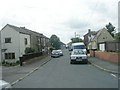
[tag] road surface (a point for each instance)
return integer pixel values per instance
(59, 73)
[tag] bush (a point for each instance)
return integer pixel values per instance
(3, 62)
(17, 62)
(29, 50)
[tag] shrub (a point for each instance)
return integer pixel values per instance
(29, 50)
(17, 62)
(3, 62)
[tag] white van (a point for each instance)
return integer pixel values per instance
(79, 45)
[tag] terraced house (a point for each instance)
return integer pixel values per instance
(15, 40)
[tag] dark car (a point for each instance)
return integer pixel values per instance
(55, 53)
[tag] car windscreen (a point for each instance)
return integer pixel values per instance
(79, 47)
(54, 51)
(59, 50)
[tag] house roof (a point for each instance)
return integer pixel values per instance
(91, 33)
(25, 30)
(99, 33)
(45, 37)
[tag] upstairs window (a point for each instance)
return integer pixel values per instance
(25, 41)
(7, 40)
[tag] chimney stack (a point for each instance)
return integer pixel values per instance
(89, 30)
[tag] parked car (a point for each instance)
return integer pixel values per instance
(78, 56)
(55, 53)
(4, 85)
(60, 52)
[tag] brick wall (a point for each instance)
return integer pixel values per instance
(108, 56)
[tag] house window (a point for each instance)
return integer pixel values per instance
(9, 55)
(25, 41)
(104, 37)
(39, 41)
(7, 40)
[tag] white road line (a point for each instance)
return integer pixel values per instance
(110, 71)
(114, 75)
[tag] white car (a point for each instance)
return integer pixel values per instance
(55, 53)
(60, 52)
(78, 56)
(4, 85)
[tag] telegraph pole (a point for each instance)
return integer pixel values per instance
(75, 34)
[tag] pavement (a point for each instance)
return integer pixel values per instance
(105, 65)
(17, 73)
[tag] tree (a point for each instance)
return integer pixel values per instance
(55, 42)
(75, 40)
(110, 28)
(117, 36)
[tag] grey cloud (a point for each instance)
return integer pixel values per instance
(98, 7)
(13, 21)
(106, 9)
(76, 23)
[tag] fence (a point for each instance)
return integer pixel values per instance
(110, 46)
(29, 56)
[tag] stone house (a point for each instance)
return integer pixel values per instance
(93, 38)
(89, 37)
(102, 36)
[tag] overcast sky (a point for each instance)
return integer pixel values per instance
(60, 17)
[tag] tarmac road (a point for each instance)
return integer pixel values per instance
(59, 73)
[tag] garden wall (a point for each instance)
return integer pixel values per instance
(108, 56)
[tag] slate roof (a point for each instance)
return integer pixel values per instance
(97, 35)
(100, 32)
(25, 30)
(91, 33)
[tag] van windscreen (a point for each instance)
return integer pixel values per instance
(79, 47)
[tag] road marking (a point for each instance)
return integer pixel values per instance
(114, 75)
(110, 71)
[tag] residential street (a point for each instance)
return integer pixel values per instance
(59, 73)
(60, 44)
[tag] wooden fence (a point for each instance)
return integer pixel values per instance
(29, 56)
(111, 46)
